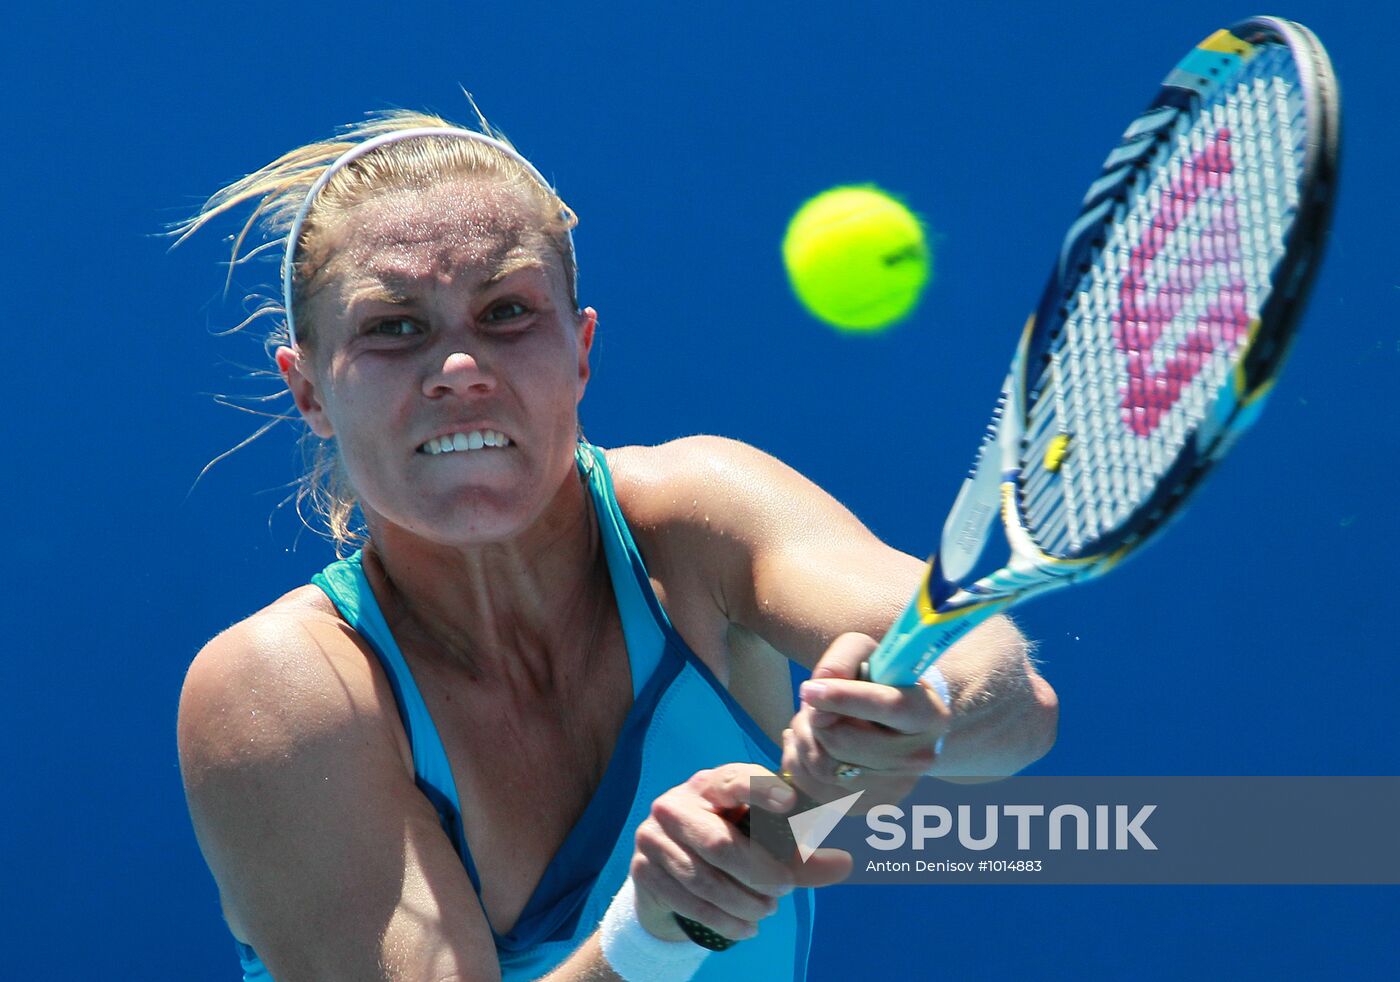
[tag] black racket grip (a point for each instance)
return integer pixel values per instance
(775, 832)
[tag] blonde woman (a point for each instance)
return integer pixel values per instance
(499, 738)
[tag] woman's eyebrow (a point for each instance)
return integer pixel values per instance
(514, 264)
(397, 292)
(400, 288)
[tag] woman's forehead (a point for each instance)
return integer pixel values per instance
(413, 234)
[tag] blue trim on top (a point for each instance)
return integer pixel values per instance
(645, 640)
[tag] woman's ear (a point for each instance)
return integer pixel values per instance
(304, 392)
(588, 325)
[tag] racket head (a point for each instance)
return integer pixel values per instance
(1174, 297)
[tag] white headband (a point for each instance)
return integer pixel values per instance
(359, 150)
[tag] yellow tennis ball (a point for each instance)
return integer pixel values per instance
(857, 258)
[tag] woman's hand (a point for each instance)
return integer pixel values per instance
(692, 859)
(852, 736)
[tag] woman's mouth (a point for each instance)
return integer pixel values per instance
(465, 440)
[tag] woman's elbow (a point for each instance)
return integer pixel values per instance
(1040, 718)
(1043, 725)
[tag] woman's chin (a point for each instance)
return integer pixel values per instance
(465, 504)
(477, 521)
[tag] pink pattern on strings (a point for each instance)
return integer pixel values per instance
(1144, 314)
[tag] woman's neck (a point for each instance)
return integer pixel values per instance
(519, 613)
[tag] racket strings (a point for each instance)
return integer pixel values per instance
(1157, 322)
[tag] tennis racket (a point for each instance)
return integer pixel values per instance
(1165, 322)
(1157, 340)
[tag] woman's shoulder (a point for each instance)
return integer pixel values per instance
(299, 624)
(289, 751)
(669, 480)
(290, 675)
(674, 494)
(711, 491)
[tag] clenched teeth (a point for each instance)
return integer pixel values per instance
(473, 440)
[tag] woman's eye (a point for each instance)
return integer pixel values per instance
(394, 327)
(507, 310)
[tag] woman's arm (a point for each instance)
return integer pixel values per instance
(789, 565)
(329, 860)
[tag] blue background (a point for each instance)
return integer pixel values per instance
(1254, 639)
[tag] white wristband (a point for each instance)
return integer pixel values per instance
(939, 684)
(636, 954)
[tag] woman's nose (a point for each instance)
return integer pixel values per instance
(460, 373)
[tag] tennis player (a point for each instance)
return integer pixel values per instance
(499, 738)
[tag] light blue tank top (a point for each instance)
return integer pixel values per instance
(682, 720)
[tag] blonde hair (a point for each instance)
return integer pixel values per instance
(281, 188)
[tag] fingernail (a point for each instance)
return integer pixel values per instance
(781, 797)
(813, 690)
